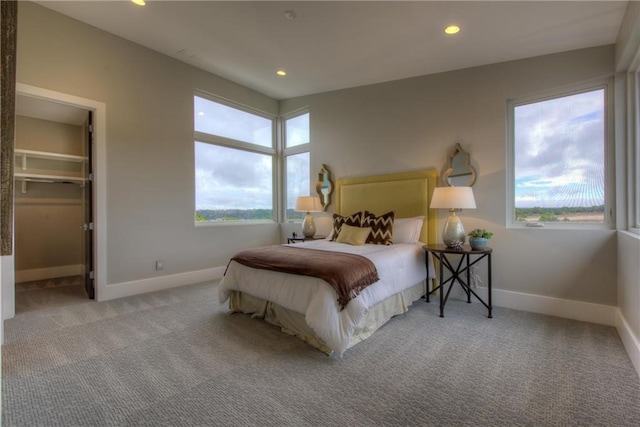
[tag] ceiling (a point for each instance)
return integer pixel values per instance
(37, 108)
(340, 44)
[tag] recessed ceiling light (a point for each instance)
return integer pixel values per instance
(452, 29)
(290, 14)
(139, 2)
(281, 73)
(201, 113)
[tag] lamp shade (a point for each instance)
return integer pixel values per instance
(453, 198)
(308, 204)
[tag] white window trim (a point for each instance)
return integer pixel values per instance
(278, 151)
(609, 203)
(289, 151)
(632, 146)
(246, 146)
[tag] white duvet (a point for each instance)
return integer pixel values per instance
(399, 266)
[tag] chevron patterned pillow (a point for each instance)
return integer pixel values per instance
(354, 220)
(381, 227)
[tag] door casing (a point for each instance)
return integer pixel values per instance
(99, 202)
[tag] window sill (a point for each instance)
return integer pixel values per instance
(632, 232)
(233, 223)
(560, 226)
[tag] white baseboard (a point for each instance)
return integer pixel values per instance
(630, 341)
(568, 309)
(49, 273)
(576, 310)
(135, 287)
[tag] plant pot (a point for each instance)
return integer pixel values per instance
(478, 242)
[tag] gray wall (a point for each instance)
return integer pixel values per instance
(414, 123)
(627, 48)
(391, 127)
(48, 216)
(150, 164)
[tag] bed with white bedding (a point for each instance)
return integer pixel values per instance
(308, 307)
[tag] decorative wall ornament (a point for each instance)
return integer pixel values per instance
(459, 172)
(324, 186)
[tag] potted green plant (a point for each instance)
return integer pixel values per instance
(479, 238)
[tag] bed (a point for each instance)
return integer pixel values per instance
(309, 307)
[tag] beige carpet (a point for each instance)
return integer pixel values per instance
(176, 358)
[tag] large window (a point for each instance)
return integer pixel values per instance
(558, 148)
(238, 156)
(235, 160)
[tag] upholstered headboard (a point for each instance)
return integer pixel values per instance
(407, 193)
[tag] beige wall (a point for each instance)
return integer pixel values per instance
(397, 126)
(415, 123)
(149, 149)
(629, 279)
(49, 215)
(45, 135)
(627, 48)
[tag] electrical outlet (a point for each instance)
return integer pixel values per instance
(159, 265)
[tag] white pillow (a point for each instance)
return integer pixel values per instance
(407, 230)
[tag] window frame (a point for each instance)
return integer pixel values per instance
(609, 154)
(632, 146)
(634, 151)
(243, 146)
(278, 152)
(290, 151)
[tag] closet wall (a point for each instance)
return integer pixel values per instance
(48, 215)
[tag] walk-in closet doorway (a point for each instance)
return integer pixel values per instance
(60, 197)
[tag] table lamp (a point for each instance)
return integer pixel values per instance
(308, 204)
(454, 199)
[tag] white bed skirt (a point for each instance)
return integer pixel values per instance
(294, 323)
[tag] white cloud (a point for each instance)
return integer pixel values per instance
(232, 179)
(560, 152)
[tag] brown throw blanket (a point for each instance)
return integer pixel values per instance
(348, 274)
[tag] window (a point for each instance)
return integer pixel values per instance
(235, 160)
(296, 154)
(225, 121)
(634, 172)
(558, 152)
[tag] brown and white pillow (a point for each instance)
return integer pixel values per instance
(354, 220)
(381, 227)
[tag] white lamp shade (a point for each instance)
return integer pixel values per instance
(453, 198)
(308, 204)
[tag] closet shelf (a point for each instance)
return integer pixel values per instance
(46, 155)
(32, 176)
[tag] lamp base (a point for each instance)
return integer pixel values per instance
(453, 233)
(308, 226)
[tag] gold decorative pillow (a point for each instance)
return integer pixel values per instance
(381, 227)
(354, 220)
(356, 236)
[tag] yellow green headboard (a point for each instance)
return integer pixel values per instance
(407, 193)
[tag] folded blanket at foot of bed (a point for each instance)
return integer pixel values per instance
(347, 274)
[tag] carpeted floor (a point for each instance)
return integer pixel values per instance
(176, 358)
